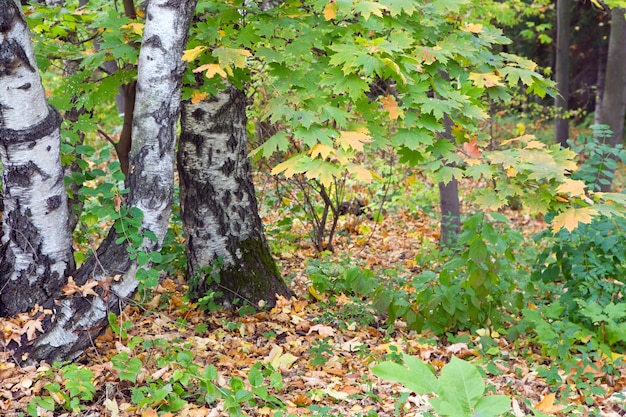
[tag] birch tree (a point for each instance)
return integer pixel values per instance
(226, 249)
(36, 238)
(71, 323)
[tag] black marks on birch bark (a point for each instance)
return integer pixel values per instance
(44, 128)
(12, 57)
(9, 15)
(154, 41)
(20, 175)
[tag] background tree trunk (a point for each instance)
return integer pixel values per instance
(75, 321)
(561, 120)
(613, 106)
(450, 225)
(219, 207)
(36, 238)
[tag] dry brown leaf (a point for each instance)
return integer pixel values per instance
(322, 330)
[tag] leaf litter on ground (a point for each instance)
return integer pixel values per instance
(324, 366)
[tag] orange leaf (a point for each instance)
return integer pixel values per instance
(472, 149)
(330, 10)
(547, 405)
(391, 105)
(198, 96)
(211, 70)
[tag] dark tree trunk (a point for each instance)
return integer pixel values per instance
(450, 225)
(613, 107)
(561, 120)
(219, 207)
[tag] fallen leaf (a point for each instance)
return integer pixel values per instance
(547, 405)
(324, 331)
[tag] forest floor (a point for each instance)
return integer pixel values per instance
(316, 342)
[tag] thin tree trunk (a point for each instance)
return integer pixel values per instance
(613, 107)
(36, 239)
(219, 207)
(75, 321)
(450, 225)
(561, 120)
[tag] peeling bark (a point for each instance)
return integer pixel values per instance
(73, 322)
(219, 207)
(36, 239)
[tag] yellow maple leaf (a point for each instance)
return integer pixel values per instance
(362, 174)
(321, 150)
(136, 28)
(547, 405)
(570, 218)
(391, 106)
(330, 10)
(535, 144)
(473, 28)
(353, 139)
(198, 96)
(211, 70)
(572, 187)
(191, 54)
(487, 79)
(288, 166)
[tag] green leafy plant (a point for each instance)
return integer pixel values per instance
(75, 388)
(459, 391)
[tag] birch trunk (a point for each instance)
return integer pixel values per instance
(219, 207)
(36, 238)
(76, 321)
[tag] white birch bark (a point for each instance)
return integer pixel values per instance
(36, 240)
(78, 320)
(219, 207)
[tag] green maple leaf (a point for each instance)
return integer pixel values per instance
(396, 7)
(278, 142)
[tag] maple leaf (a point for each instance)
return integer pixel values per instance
(330, 10)
(31, 327)
(547, 405)
(362, 174)
(574, 188)
(136, 28)
(535, 144)
(191, 54)
(570, 218)
(473, 28)
(353, 139)
(231, 57)
(290, 166)
(488, 79)
(368, 8)
(211, 70)
(71, 287)
(391, 106)
(472, 149)
(198, 96)
(321, 150)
